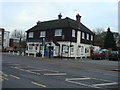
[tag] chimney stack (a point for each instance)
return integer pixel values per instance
(59, 16)
(78, 20)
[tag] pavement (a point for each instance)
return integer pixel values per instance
(35, 72)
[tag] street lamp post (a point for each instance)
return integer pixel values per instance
(43, 46)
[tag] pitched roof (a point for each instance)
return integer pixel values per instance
(59, 23)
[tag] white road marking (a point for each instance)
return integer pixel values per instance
(51, 70)
(32, 72)
(104, 84)
(55, 74)
(37, 70)
(83, 84)
(77, 78)
(16, 64)
(74, 80)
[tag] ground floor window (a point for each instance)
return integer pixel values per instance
(82, 49)
(65, 48)
(86, 50)
(56, 49)
(30, 47)
(72, 49)
(36, 48)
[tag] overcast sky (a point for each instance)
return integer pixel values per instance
(22, 15)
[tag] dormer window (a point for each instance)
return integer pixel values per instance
(83, 35)
(30, 35)
(42, 34)
(58, 32)
(73, 33)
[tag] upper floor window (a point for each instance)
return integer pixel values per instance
(0, 33)
(91, 37)
(87, 36)
(83, 35)
(73, 33)
(42, 34)
(58, 32)
(30, 35)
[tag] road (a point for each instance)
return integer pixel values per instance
(30, 72)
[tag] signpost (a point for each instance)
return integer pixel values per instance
(43, 46)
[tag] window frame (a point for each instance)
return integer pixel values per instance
(72, 49)
(73, 33)
(91, 37)
(58, 32)
(30, 48)
(31, 34)
(87, 36)
(65, 49)
(0, 32)
(42, 33)
(83, 35)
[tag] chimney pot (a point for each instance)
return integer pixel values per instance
(78, 18)
(38, 22)
(59, 16)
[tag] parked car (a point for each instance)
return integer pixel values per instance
(114, 55)
(98, 55)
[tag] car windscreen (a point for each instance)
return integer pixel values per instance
(95, 52)
(113, 52)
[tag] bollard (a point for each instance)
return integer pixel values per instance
(9, 52)
(22, 53)
(13, 52)
(28, 54)
(81, 57)
(34, 54)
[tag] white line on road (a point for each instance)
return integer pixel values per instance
(83, 84)
(55, 74)
(33, 72)
(77, 78)
(16, 64)
(40, 70)
(51, 70)
(74, 80)
(104, 84)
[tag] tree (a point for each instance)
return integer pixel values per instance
(109, 41)
(99, 36)
(18, 34)
(21, 36)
